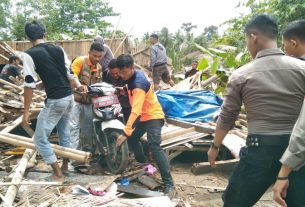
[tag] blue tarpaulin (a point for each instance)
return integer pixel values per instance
(190, 105)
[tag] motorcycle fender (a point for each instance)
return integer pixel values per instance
(112, 124)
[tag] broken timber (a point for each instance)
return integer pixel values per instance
(149, 182)
(179, 136)
(204, 167)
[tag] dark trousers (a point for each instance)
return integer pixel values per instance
(104, 75)
(296, 190)
(126, 113)
(153, 129)
(253, 175)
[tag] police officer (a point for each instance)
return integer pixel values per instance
(291, 192)
(272, 88)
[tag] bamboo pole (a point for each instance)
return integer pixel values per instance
(17, 178)
(61, 151)
(21, 88)
(114, 32)
(203, 186)
(5, 49)
(31, 183)
(211, 79)
(25, 139)
(117, 49)
(139, 51)
(9, 48)
(5, 58)
(13, 126)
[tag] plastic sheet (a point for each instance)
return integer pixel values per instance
(190, 105)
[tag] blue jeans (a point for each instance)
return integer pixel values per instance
(153, 129)
(56, 113)
(81, 125)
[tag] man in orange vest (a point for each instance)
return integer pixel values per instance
(87, 69)
(146, 117)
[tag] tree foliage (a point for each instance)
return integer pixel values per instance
(76, 18)
(226, 51)
(4, 23)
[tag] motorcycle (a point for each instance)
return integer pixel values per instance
(108, 126)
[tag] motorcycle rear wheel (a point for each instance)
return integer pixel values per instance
(117, 158)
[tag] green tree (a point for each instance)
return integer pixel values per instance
(71, 17)
(76, 16)
(209, 34)
(188, 27)
(165, 37)
(18, 26)
(145, 37)
(4, 20)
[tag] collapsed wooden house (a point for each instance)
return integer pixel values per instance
(177, 136)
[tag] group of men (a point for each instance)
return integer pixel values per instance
(68, 106)
(271, 87)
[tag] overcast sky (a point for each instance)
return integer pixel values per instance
(151, 16)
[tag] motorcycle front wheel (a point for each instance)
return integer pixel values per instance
(117, 157)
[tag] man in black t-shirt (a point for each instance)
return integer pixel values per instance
(11, 69)
(52, 65)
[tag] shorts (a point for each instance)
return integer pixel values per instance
(161, 72)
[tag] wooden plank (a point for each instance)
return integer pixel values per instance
(168, 128)
(221, 166)
(194, 149)
(198, 127)
(174, 154)
(188, 145)
(201, 142)
(149, 182)
(197, 136)
(177, 139)
(28, 130)
(178, 133)
(238, 133)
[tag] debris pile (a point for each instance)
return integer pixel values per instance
(11, 94)
(11, 102)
